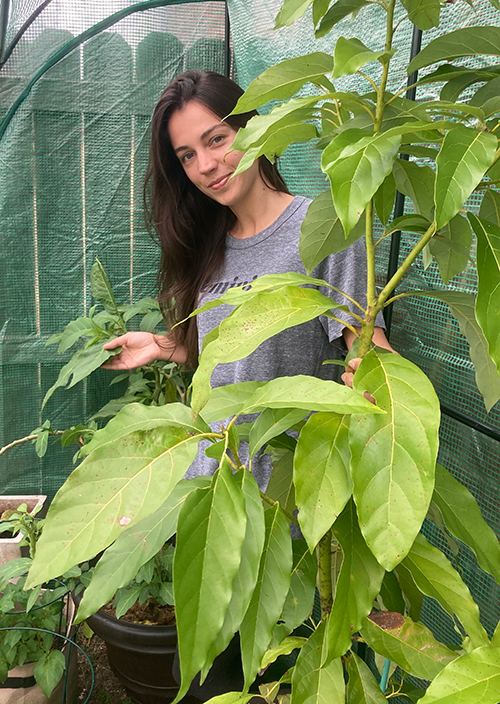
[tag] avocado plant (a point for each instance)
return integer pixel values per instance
(362, 476)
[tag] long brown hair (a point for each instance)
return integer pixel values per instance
(190, 226)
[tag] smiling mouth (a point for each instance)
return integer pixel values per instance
(220, 183)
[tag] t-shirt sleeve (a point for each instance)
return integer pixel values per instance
(346, 271)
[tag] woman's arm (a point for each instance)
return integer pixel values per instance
(141, 348)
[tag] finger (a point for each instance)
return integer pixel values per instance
(117, 342)
(354, 363)
(369, 397)
(347, 378)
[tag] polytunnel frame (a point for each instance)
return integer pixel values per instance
(61, 53)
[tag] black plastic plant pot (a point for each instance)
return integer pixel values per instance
(140, 655)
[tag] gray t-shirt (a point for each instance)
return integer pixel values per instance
(301, 349)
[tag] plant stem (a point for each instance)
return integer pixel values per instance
(379, 113)
(27, 439)
(371, 299)
(157, 391)
(391, 285)
(269, 501)
(325, 574)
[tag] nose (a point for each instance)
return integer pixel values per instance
(206, 162)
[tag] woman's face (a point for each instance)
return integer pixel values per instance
(201, 142)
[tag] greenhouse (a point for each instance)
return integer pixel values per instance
(243, 515)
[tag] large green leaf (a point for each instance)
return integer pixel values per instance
(74, 331)
(487, 97)
(450, 72)
(490, 207)
(269, 594)
(362, 687)
(210, 535)
(280, 487)
(417, 183)
(444, 108)
(277, 143)
(309, 393)
(252, 323)
(321, 474)
(453, 89)
(412, 222)
(284, 648)
(423, 13)
(270, 423)
(488, 287)
(101, 288)
(13, 569)
(313, 682)
(260, 127)
(469, 41)
(384, 198)
(300, 598)
(435, 577)
(118, 484)
(122, 560)
(290, 11)
(465, 156)
(337, 12)
(393, 455)
(495, 640)
(82, 363)
(413, 597)
(391, 594)
(229, 400)
(358, 584)
(322, 233)
(284, 79)
(411, 645)
(241, 294)
(470, 679)
(350, 55)
(231, 698)
(464, 520)
(49, 670)
(320, 8)
(450, 247)
(462, 307)
(248, 572)
(137, 416)
(357, 163)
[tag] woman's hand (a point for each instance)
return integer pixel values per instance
(379, 339)
(142, 348)
(348, 376)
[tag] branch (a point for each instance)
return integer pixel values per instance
(391, 285)
(20, 441)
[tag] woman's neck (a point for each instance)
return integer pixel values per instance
(258, 211)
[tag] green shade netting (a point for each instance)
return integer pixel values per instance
(72, 160)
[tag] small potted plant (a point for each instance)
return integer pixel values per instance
(10, 539)
(33, 657)
(138, 626)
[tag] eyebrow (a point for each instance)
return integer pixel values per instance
(204, 135)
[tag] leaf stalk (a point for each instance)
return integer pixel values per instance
(325, 574)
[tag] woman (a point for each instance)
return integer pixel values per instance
(217, 232)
